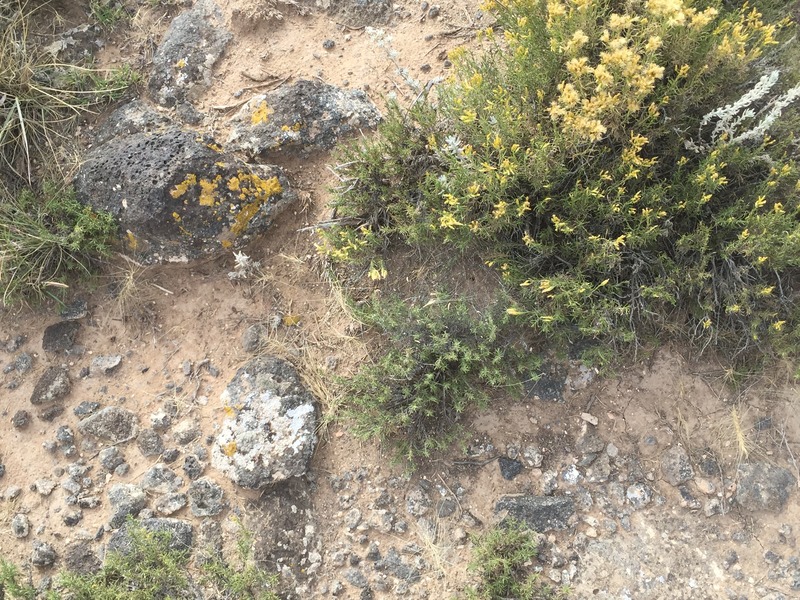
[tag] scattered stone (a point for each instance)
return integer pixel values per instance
(192, 467)
(352, 518)
(600, 471)
(43, 554)
(762, 486)
(149, 442)
(65, 436)
(548, 384)
(170, 503)
(60, 337)
(170, 455)
(44, 487)
(571, 475)
(53, 385)
(126, 500)
(183, 63)
(160, 479)
(612, 450)
(639, 495)
(730, 559)
(2, 470)
(88, 501)
(205, 498)
(272, 435)
(712, 507)
(591, 419)
(12, 492)
(21, 419)
(105, 364)
(15, 343)
(110, 458)
(185, 432)
(72, 517)
(181, 535)
(675, 465)
(394, 564)
(308, 115)
(329, 44)
(418, 502)
(434, 12)
(509, 468)
(20, 525)
(160, 420)
(589, 443)
(533, 456)
(687, 499)
(706, 486)
(111, 423)
(75, 310)
(50, 413)
(23, 363)
(80, 558)
(540, 513)
(356, 578)
(85, 408)
(253, 336)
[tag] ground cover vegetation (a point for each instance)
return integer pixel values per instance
(628, 169)
(152, 568)
(46, 236)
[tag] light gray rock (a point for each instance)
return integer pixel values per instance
(762, 486)
(112, 423)
(540, 513)
(170, 503)
(43, 554)
(271, 436)
(184, 61)
(676, 466)
(105, 364)
(44, 486)
(160, 479)
(149, 442)
(110, 458)
(20, 526)
(205, 498)
(126, 500)
(53, 385)
(639, 495)
(253, 336)
(185, 432)
(308, 115)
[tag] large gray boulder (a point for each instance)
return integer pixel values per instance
(176, 196)
(309, 115)
(270, 435)
(184, 61)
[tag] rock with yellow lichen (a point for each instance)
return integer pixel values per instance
(268, 434)
(184, 61)
(177, 195)
(306, 116)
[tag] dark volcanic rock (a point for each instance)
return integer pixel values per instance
(509, 468)
(309, 115)
(149, 442)
(675, 465)
(205, 498)
(762, 486)
(183, 62)
(60, 337)
(177, 196)
(79, 557)
(126, 500)
(540, 513)
(43, 554)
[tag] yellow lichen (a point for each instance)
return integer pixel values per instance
(133, 243)
(176, 216)
(214, 147)
(260, 190)
(261, 113)
(229, 449)
(183, 186)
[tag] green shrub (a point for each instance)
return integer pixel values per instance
(151, 570)
(503, 558)
(47, 238)
(10, 584)
(244, 580)
(613, 162)
(440, 359)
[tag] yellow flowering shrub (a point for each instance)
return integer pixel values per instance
(613, 162)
